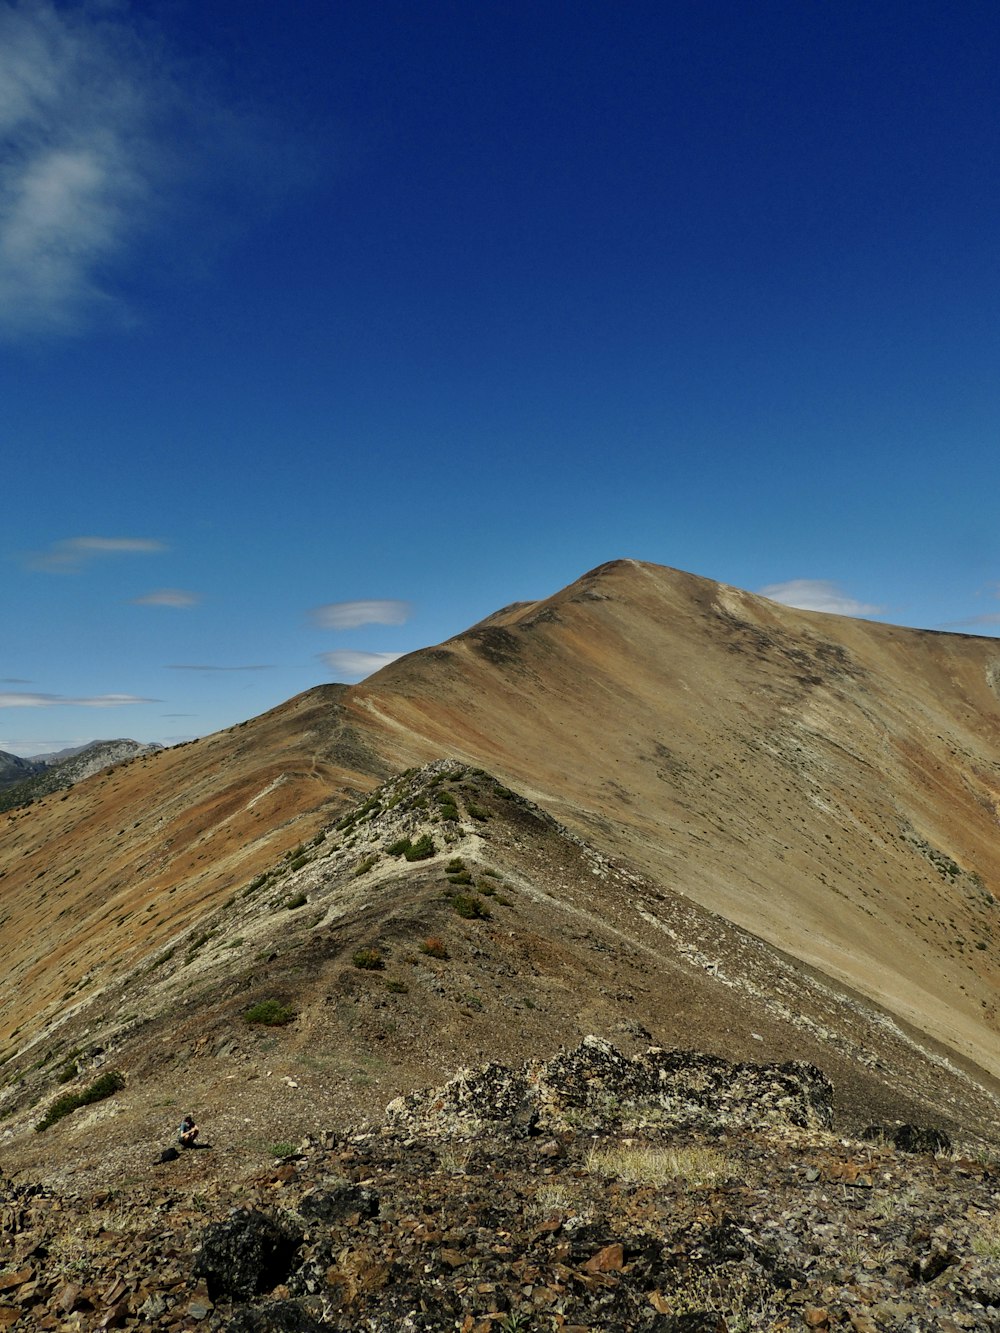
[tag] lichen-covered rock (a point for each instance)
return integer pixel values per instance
(596, 1083)
(491, 1093)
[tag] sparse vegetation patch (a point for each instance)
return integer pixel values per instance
(103, 1087)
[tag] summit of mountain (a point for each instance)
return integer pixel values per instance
(730, 824)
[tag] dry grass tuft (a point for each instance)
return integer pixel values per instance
(660, 1166)
(986, 1241)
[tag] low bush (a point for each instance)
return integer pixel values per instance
(299, 900)
(471, 907)
(97, 1091)
(269, 1013)
(434, 947)
(422, 849)
(368, 960)
(397, 987)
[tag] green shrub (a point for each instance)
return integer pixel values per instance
(400, 847)
(476, 811)
(454, 865)
(397, 987)
(68, 1071)
(364, 866)
(297, 862)
(299, 900)
(269, 1013)
(421, 849)
(471, 907)
(368, 960)
(101, 1088)
(460, 877)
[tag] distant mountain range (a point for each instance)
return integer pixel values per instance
(25, 780)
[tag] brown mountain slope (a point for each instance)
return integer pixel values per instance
(509, 938)
(830, 785)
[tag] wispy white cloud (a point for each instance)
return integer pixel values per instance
(818, 595)
(175, 597)
(352, 615)
(108, 141)
(72, 554)
(347, 662)
(80, 97)
(198, 666)
(19, 699)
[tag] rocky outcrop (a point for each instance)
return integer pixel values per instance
(596, 1084)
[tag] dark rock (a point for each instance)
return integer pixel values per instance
(916, 1138)
(273, 1317)
(932, 1265)
(909, 1138)
(340, 1199)
(247, 1255)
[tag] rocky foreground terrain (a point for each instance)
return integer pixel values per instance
(589, 1193)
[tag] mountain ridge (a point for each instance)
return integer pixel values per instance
(795, 810)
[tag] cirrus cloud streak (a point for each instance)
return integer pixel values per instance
(70, 555)
(352, 615)
(175, 597)
(19, 699)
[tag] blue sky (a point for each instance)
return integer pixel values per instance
(327, 329)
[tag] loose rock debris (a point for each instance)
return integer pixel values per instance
(593, 1193)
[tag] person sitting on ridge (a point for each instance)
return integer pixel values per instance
(188, 1132)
